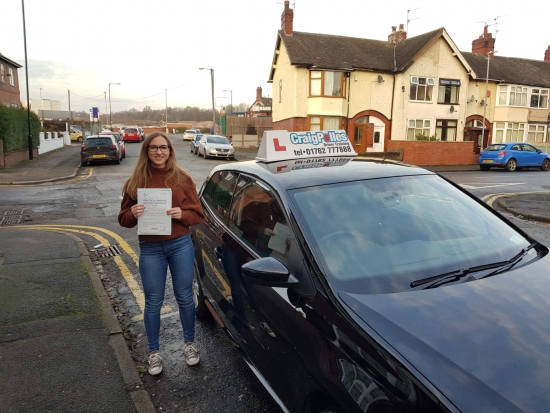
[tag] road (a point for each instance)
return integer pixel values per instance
(89, 204)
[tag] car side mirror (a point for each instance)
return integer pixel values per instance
(268, 272)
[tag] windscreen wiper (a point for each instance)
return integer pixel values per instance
(508, 265)
(447, 277)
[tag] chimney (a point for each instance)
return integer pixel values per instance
(484, 44)
(397, 36)
(258, 94)
(547, 55)
(286, 19)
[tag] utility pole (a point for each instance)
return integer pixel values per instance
(485, 100)
(27, 76)
(105, 93)
(166, 109)
(213, 107)
(70, 113)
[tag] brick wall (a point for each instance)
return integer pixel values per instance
(291, 125)
(435, 153)
(14, 158)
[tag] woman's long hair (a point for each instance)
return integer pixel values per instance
(142, 171)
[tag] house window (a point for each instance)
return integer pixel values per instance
(536, 133)
(359, 128)
(326, 83)
(503, 95)
(421, 88)
(448, 91)
(445, 130)
(2, 78)
(510, 132)
(10, 74)
(317, 123)
(280, 90)
(539, 98)
(512, 96)
(417, 127)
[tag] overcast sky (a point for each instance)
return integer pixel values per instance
(151, 45)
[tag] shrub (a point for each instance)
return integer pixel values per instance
(14, 129)
(421, 137)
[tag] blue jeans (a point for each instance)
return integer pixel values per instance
(154, 259)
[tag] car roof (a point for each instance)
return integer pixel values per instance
(321, 171)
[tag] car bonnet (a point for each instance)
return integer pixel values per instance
(484, 344)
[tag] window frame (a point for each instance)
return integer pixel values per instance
(2, 73)
(506, 90)
(321, 121)
(280, 90)
(542, 98)
(322, 80)
(12, 76)
(537, 132)
(445, 126)
(452, 83)
(424, 127)
(429, 82)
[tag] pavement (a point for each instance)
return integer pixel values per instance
(61, 345)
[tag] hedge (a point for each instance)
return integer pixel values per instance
(14, 129)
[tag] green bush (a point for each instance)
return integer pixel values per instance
(421, 137)
(14, 129)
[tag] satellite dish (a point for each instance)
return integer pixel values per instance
(452, 109)
(482, 103)
(380, 79)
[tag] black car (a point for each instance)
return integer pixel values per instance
(100, 149)
(194, 144)
(354, 286)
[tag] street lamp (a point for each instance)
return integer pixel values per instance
(27, 77)
(213, 107)
(110, 124)
(230, 91)
(485, 99)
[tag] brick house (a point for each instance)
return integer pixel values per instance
(385, 94)
(9, 82)
(261, 106)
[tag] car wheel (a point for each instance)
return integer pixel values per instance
(204, 155)
(484, 167)
(511, 165)
(80, 139)
(201, 311)
(117, 162)
(545, 165)
(83, 163)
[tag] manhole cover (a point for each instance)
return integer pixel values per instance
(111, 251)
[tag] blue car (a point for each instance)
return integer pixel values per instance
(514, 156)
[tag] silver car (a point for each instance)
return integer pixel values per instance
(215, 146)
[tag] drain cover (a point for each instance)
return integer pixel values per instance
(111, 251)
(11, 217)
(9, 213)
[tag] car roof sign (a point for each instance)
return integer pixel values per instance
(281, 145)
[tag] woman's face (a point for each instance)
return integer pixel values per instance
(158, 157)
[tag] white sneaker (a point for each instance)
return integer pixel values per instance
(155, 363)
(191, 354)
(267, 329)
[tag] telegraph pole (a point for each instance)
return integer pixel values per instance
(70, 113)
(27, 76)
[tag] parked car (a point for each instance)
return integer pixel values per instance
(190, 134)
(215, 146)
(100, 149)
(195, 143)
(514, 156)
(76, 133)
(121, 130)
(131, 135)
(118, 139)
(372, 286)
(141, 133)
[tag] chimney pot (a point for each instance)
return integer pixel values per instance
(484, 44)
(258, 94)
(287, 19)
(393, 28)
(401, 27)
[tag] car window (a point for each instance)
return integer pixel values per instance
(130, 130)
(379, 235)
(528, 148)
(217, 139)
(257, 218)
(515, 148)
(495, 147)
(218, 192)
(197, 138)
(98, 142)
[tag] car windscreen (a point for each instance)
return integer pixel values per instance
(197, 138)
(98, 142)
(377, 236)
(495, 148)
(130, 130)
(217, 139)
(191, 131)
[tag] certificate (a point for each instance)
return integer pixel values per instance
(277, 242)
(154, 220)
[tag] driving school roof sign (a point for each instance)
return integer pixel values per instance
(280, 145)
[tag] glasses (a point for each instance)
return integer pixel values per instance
(163, 148)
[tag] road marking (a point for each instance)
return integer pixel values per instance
(124, 270)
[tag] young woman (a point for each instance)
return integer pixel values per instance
(157, 168)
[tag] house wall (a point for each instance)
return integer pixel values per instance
(538, 115)
(365, 93)
(510, 114)
(9, 94)
(437, 62)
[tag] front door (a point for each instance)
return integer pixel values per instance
(378, 139)
(480, 143)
